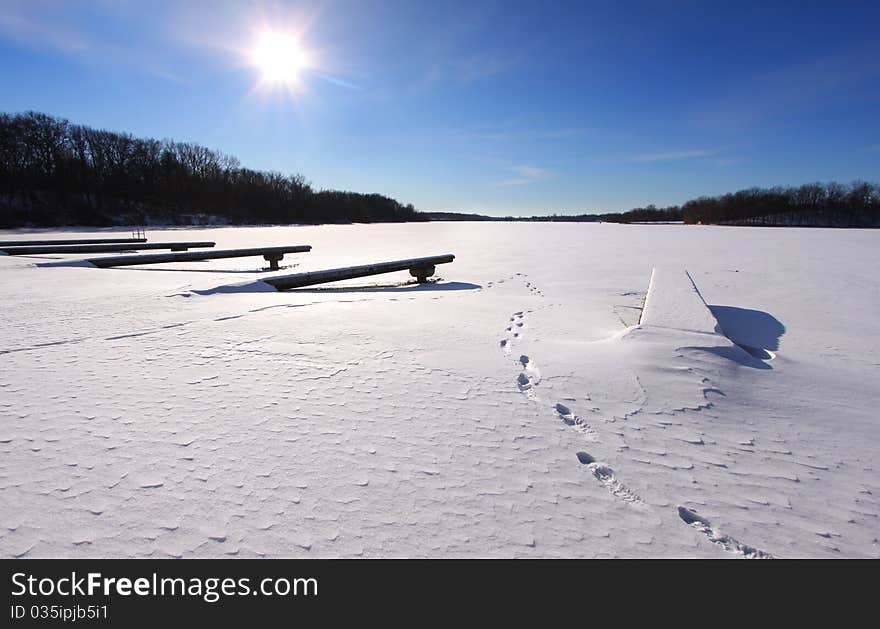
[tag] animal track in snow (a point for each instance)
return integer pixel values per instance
(731, 545)
(605, 475)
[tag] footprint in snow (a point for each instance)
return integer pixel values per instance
(605, 475)
(731, 545)
(576, 422)
(565, 413)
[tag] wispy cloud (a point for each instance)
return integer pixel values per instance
(329, 78)
(804, 86)
(566, 133)
(37, 27)
(467, 50)
(52, 27)
(520, 133)
(466, 68)
(725, 161)
(527, 175)
(668, 156)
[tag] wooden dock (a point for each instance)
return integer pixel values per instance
(108, 248)
(66, 241)
(271, 254)
(420, 268)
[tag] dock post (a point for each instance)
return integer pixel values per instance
(421, 273)
(273, 259)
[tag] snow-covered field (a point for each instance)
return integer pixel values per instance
(512, 409)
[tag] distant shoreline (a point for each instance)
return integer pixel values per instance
(169, 227)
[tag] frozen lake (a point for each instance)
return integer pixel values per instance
(514, 408)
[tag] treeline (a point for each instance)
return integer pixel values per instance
(813, 205)
(636, 215)
(649, 214)
(53, 172)
(810, 205)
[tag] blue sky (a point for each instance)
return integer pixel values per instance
(494, 107)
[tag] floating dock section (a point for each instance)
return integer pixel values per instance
(66, 241)
(108, 248)
(271, 254)
(420, 268)
(674, 302)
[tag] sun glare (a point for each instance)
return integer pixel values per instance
(279, 58)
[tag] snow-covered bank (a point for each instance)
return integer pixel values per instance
(514, 408)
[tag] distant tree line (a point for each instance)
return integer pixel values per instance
(814, 205)
(53, 172)
(810, 205)
(637, 215)
(649, 214)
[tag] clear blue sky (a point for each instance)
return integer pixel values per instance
(496, 107)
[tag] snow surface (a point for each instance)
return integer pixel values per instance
(515, 408)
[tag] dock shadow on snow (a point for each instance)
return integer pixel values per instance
(257, 286)
(65, 263)
(237, 271)
(736, 353)
(87, 264)
(408, 287)
(756, 331)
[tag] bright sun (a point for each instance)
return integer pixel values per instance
(279, 58)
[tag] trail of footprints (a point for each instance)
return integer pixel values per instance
(534, 290)
(513, 331)
(528, 379)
